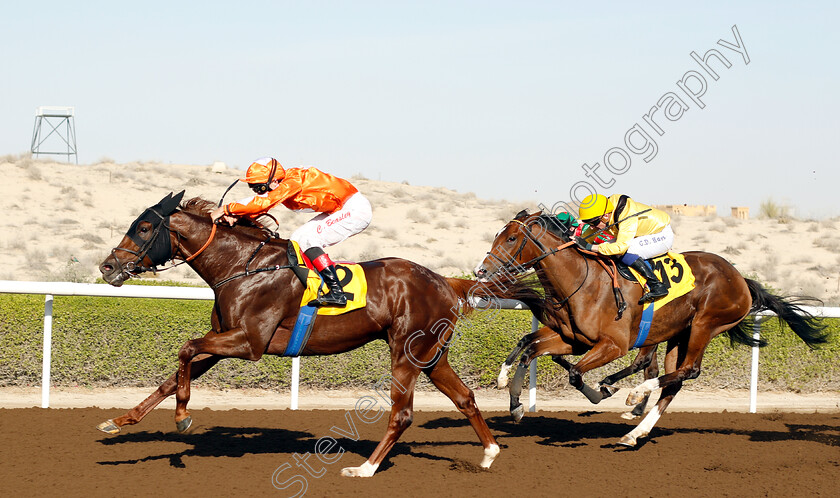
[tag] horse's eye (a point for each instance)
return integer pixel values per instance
(144, 229)
(511, 239)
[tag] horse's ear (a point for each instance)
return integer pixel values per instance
(521, 215)
(170, 203)
(179, 196)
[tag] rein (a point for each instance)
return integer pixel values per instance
(248, 271)
(545, 253)
(605, 263)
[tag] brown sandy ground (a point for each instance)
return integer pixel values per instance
(51, 452)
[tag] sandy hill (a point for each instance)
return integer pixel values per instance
(61, 220)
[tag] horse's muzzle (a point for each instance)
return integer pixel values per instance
(112, 273)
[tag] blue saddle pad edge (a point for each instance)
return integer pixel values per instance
(302, 329)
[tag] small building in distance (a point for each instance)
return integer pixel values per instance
(741, 212)
(689, 210)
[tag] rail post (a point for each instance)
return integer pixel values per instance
(295, 381)
(532, 391)
(46, 362)
(754, 367)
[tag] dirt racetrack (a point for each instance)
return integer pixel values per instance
(236, 452)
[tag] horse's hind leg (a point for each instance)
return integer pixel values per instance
(645, 359)
(668, 393)
(651, 372)
(646, 425)
(402, 414)
(136, 414)
(445, 379)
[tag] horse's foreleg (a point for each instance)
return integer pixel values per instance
(136, 414)
(229, 344)
(602, 353)
(643, 360)
(548, 344)
(502, 379)
(527, 340)
(402, 412)
(445, 379)
(517, 411)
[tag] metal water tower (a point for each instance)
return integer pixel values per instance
(62, 124)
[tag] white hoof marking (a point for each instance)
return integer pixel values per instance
(490, 454)
(367, 469)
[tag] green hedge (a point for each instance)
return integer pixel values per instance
(134, 342)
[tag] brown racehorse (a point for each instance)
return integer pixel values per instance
(410, 307)
(573, 297)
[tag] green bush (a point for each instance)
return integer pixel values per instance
(134, 342)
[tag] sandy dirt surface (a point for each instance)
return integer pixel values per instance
(256, 452)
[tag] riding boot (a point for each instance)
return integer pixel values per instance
(656, 288)
(326, 268)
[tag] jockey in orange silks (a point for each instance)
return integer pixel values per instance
(342, 212)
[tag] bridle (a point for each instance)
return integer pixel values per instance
(518, 268)
(133, 268)
(529, 236)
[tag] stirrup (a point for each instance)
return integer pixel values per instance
(651, 296)
(329, 299)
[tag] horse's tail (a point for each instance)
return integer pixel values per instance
(471, 290)
(809, 328)
(461, 286)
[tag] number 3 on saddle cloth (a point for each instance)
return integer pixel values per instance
(675, 273)
(353, 280)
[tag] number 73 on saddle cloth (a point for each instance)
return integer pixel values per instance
(674, 272)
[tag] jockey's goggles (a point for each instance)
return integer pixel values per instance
(260, 188)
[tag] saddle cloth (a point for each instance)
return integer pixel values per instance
(674, 272)
(351, 276)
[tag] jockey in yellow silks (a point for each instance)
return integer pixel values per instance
(641, 232)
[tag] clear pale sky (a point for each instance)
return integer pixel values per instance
(504, 99)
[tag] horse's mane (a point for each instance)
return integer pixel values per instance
(202, 207)
(198, 206)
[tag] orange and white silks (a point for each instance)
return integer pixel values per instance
(301, 189)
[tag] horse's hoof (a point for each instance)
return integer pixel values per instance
(628, 441)
(109, 427)
(183, 425)
(490, 454)
(634, 398)
(608, 390)
(365, 470)
(629, 416)
(517, 413)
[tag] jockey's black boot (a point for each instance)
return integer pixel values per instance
(336, 296)
(656, 288)
(322, 262)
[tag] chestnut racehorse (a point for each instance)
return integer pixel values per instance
(257, 298)
(573, 297)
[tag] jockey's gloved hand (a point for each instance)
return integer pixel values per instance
(582, 243)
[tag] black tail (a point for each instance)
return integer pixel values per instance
(808, 327)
